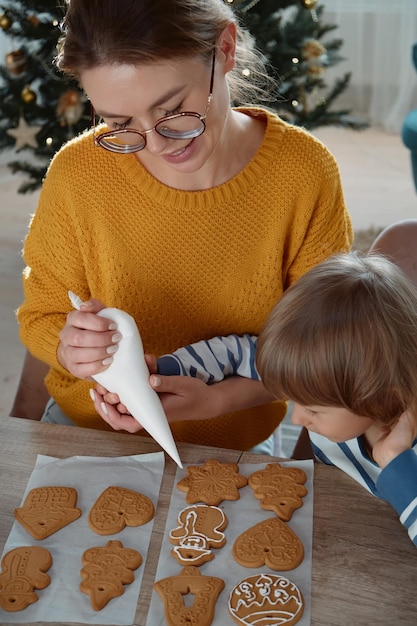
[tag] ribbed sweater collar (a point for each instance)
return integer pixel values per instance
(239, 184)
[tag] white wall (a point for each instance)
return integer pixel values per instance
(377, 39)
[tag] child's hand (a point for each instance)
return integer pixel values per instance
(392, 442)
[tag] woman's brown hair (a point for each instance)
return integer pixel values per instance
(105, 32)
(345, 335)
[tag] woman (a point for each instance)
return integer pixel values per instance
(189, 214)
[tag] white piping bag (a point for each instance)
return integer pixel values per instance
(128, 376)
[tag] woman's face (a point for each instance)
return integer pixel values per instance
(128, 96)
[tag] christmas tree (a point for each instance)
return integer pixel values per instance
(40, 109)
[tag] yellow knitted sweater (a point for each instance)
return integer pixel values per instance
(187, 265)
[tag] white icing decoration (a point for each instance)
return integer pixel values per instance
(193, 546)
(266, 599)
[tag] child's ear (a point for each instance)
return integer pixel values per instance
(227, 46)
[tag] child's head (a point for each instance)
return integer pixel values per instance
(345, 335)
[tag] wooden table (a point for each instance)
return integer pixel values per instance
(364, 564)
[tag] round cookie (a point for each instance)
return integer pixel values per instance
(266, 600)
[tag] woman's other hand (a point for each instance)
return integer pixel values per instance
(114, 412)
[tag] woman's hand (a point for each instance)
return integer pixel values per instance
(87, 341)
(392, 442)
(111, 410)
(180, 402)
(183, 398)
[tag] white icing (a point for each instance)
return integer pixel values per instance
(194, 546)
(266, 599)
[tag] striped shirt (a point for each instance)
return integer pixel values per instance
(220, 357)
(213, 360)
(396, 483)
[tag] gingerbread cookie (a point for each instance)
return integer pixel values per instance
(280, 489)
(266, 599)
(47, 509)
(23, 571)
(271, 543)
(105, 570)
(199, 529)
(212, 482)
(118, 507)
(204, 589)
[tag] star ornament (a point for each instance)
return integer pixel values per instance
(24, 134)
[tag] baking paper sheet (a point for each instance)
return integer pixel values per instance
(242, 514)
(62, 601)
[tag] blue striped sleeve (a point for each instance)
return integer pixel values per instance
(397, 484)
(214, 359)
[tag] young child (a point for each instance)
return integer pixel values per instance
(341, 344)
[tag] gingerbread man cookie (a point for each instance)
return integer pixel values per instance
(199, 529)
(23, 571)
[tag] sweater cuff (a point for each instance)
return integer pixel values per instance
(168, 365)
(397, 482)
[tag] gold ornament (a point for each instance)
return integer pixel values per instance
(70, 107)
(24, 134)
(34, 20)
(314, 55)
(312, 49)
(309, 4)
(16, 62)
(28, 96)
(5, 22)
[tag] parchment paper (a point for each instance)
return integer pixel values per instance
(62, 601)
(242, 514)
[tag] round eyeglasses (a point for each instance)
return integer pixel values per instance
(184, 125)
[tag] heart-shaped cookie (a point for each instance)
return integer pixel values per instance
(270, 543)
(118, 507)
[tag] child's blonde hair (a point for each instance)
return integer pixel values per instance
(345, 335)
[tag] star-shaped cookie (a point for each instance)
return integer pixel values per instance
(212, 482)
